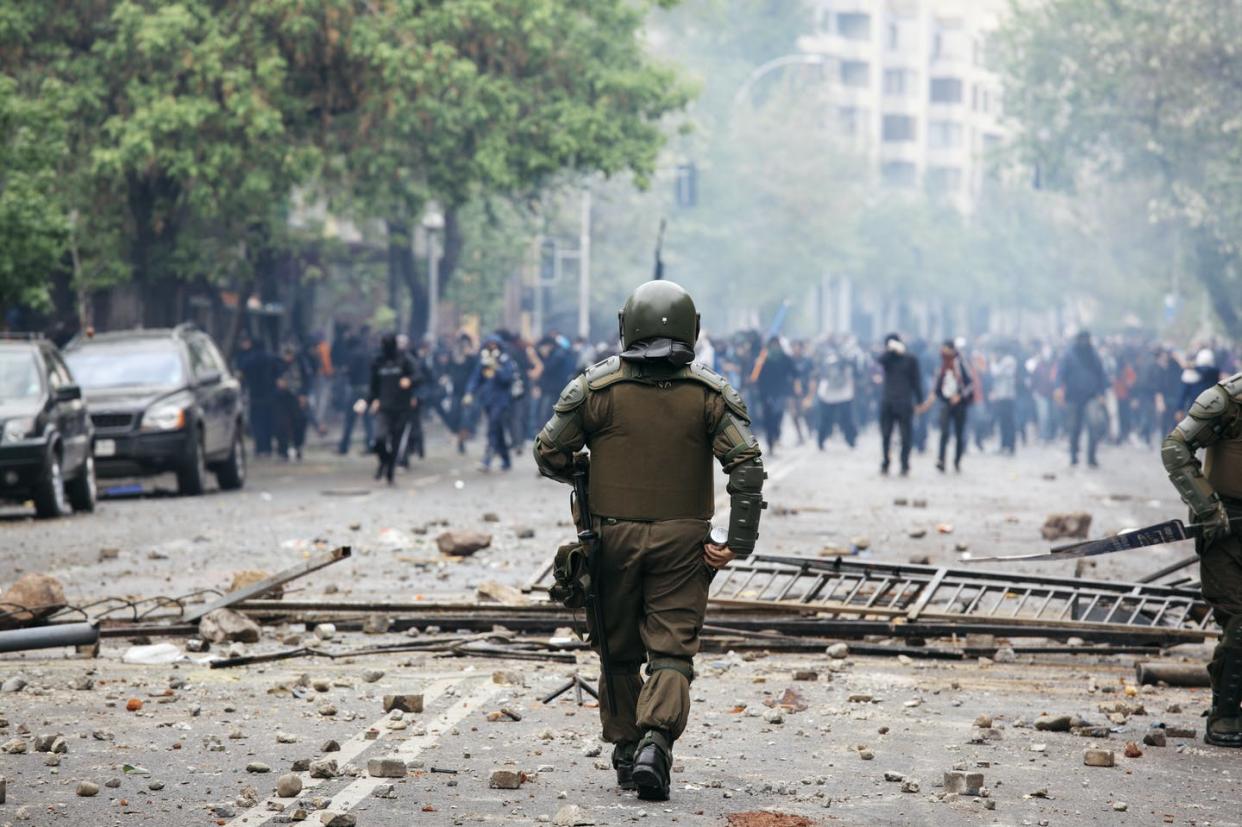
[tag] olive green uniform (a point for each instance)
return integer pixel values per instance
(1214, 493)
(652, 429)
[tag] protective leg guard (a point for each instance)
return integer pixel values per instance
(623, 763)
(653, 758)
(1224, 726)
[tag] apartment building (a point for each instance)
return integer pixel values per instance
(907, 80)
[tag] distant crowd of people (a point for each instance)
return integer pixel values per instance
(993, 391)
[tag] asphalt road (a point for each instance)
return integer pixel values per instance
(198, 729)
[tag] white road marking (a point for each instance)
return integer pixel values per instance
(358, 791)
(351, 749)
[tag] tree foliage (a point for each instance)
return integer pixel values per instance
(1142, 92)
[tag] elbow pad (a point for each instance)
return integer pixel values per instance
(1187, 476)
(746, 503)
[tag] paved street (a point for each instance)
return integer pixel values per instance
(188, 748)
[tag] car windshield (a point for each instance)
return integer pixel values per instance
(119, 366)
(19, 376)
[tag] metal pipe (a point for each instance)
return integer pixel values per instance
(1173, 674)
(49, 637)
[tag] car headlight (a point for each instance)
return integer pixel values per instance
(165, 416)
(15, 430)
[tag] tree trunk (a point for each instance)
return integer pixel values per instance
(1214, 267)
(151, 205)
(400, 269)
(454, 244)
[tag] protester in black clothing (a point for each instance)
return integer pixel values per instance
(413, 441)
(356, 359)
(1082, 381)
(775, 376)
(259, 370)
(292, 402)
(902, 391)
(391, 392)
(955, 389)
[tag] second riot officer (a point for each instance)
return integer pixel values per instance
(652, 419)
(1215, 499)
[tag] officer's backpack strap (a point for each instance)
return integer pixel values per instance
(605, 373)
(702, 373)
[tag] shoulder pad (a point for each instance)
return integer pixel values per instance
(575, 394)
(602, 374)
(1212, 403)
(1233, 386)
(702, 373)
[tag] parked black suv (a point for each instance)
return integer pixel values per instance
(162, 400)
(45, 435)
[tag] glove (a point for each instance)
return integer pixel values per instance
(1216, 525)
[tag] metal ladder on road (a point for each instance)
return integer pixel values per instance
(836, 587)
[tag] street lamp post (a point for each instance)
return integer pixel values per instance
(771, 66)
(433, 223)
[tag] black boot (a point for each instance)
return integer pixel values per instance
(623, 763)
(1224, 726)
(653, 758)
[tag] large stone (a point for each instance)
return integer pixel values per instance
(323, 768)
(505, 780)
(386, 768)
(289, 785)
(408, 702)
(1053, 723)
(39, 592)
(571, 815)
(1098, 758)
(462, 543)
(87, 789)
(227, 625)
(963, 783)
(331, 819)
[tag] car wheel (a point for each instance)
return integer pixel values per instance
(50, 495)
(232, 472)
(192, 472)
(81, 489)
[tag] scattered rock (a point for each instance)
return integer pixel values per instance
(323, 768)
(505, 780)
(330, 745)
(838, 651)
(227, 625)
(386, 768)
(909, 786)
(377, 624)
(525, 533)
(1155, 738)
(331, 819)
(860, 698)
(257, 767)
(325, 631)
(289, 785)
(384, 791)
(14, 684)
(133, 704)
(806, 675)
(571, 815)
(984, 721)
(774, 716)
(1074, 526)
(1053, 723)
(16, 746)
(1120, 806)
(1098, 758)
(41, 593)
(1132, 750)
(408, 702)
(372, 675)
(894, 777)
(86, 789)
(1180, 732)
(963, 783)
(462, 543)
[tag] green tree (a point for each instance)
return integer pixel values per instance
(1142, 92)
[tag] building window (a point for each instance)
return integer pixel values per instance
(894, 37)
(898, 83)
(944, 135)
(899, 173)
(950, 41)
(853, 120)
(855, 74)
(854, 26)
(898, 128)
(946, 90)
(943, 180)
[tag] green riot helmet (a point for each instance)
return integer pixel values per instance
(659, 309)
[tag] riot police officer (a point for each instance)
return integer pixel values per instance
(652, 419)
(1214, 494)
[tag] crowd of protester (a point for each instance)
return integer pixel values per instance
(990, 394)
